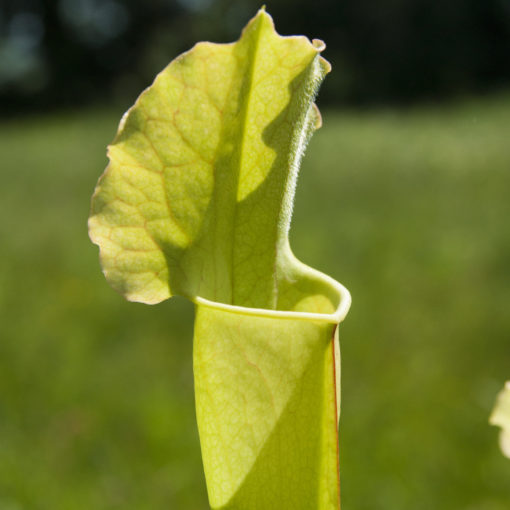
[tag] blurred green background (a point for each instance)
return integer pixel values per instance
(408, 206)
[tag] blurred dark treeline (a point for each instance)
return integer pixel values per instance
(56, 53)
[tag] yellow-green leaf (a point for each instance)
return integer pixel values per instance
(197, 200)
(198, 194)
(501, 417)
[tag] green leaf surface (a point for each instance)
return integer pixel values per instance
(266, 394)
(197, 200)
(501, 417)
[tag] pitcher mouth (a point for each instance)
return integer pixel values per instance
(344, 303)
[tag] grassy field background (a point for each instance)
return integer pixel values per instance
(409, 209)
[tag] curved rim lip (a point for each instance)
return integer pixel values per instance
(334, 318)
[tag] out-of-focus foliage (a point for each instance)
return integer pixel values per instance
(501, 417)
(96, 397)
(55, 52)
